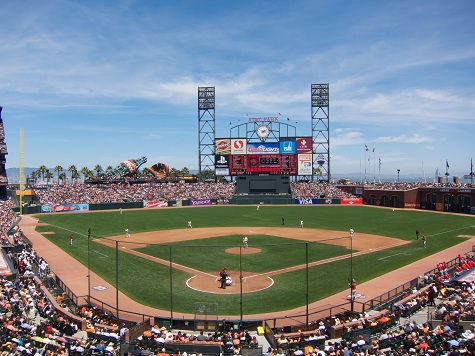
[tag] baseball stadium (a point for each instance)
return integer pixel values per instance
(259, 250)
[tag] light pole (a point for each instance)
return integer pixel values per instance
(398, 170)
(88, 267)
(352, 297)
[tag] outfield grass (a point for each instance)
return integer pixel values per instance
(149, 283)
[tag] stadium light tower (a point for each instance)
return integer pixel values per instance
(320, 98)
(206, 129)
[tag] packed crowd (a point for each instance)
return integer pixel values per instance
(119, 192)
(32, 323)
(322, 190)
(7, 219)
(156, 340)
(410, 185)
(113, 193)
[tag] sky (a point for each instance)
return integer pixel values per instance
(99, 82)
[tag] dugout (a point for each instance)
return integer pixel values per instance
(263, 184)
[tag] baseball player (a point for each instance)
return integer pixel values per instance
(245, 241)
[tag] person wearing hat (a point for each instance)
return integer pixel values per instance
(223, 275)
(162, 353)
(110, 347)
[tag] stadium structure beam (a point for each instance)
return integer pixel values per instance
(206, 129)
(3, 160)
(320, 102)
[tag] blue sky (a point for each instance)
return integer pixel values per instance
(98, 82)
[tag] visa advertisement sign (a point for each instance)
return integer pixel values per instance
(287, 147)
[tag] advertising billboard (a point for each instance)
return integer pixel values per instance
(221, 164)
(238, 146)
(305, 165)
(263, 148)
(303, 145)
(287, 147)
(222, 146)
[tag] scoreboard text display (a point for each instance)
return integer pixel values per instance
(262, 158)
(270, 164)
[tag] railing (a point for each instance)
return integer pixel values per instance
(387, 299)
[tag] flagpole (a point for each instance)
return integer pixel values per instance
(374, 166)
(361, 172)
(365, 149)
(379, 170)
(471, 171)
(369, 166)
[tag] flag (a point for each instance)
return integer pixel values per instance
(279, 114)
(365, 147)
(447, 164)
(288, 118)
(471, 166)
(374, 149)
(379, 163)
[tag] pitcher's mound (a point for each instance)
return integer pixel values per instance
(244, 251)
(251, 282)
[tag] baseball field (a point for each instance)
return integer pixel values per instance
(166, 265)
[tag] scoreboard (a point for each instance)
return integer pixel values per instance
(288, 156)
(263, 164)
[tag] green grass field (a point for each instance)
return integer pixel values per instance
(149, 282)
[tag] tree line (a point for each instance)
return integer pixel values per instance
(61, 175)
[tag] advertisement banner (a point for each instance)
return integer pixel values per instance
(305, 165)
(198, 202)
(303, 145)
(64, 208)
(306, 201)
(155, 204)
(222, 171)
(351, 201)
(222, 146)
(287, 147)
(411, 205)
(263, 148)
(238, 146)
(221, 161)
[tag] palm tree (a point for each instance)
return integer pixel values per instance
(58, 169)
(72, 168)
(185, 171)
(98, 169)
(86, 172)
(48, 176)
(42, 170)
(34, 176)
(62, 177)
(75, 175)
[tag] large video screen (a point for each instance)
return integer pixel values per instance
(263, 164)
